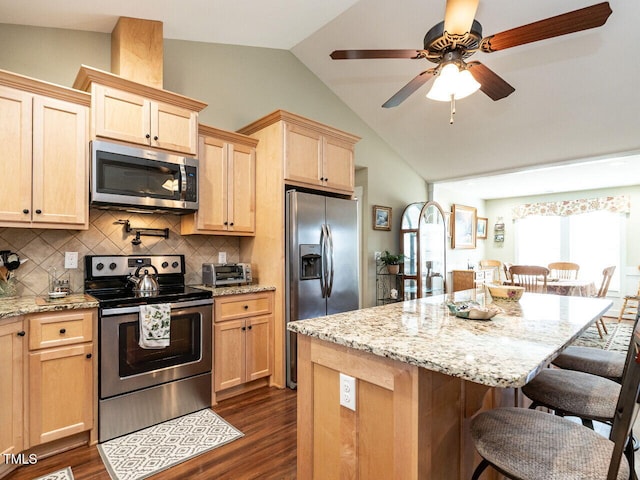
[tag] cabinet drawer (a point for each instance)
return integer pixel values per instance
(239, 306)
(55, 329)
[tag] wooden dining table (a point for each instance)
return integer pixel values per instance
(573, 288)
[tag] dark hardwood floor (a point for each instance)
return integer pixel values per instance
(266, 416)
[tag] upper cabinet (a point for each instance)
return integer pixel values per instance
(44, 133)
(134, 113)
(314, 155)
(227, 185)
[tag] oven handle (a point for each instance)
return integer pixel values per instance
(136, 308)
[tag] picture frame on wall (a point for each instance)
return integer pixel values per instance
(463, 226)
(481, 228)
(381, 218)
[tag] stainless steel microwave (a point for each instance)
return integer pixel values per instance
(130, 178)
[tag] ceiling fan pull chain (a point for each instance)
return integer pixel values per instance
(453, 109)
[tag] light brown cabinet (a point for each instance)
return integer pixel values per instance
(226, 188)
(130, 112)
(468, 279)
(61, 374)
(45, 155)
(243, 339)
(12, 374)
(318, 159)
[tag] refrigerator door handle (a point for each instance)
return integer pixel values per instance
(323, 261)
(331, 270)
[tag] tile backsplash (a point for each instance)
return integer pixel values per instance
(44, 249)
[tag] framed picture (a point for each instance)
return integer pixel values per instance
(381, 218)
(463, 234)
(481, 230)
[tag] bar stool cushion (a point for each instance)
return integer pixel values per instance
(580, 394)
(592, 360)
(538, 446)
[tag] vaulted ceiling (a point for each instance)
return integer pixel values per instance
(576, 96)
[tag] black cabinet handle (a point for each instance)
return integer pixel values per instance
(89, 355)
(38, 211)
(22, 333)
(250, 327)
(26, 210)
(246, 307)
(63, 331)
(244, 328)
(147, 135)
(231, 224)
(155, 138)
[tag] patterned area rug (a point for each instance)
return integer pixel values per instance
(617, 340)
(149, 451)
(64, 474)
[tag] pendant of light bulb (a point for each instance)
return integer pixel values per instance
(453, 82)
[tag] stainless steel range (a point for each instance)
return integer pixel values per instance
(139, 387)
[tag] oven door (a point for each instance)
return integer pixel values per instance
(126, 367)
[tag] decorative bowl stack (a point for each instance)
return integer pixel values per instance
(506, 292)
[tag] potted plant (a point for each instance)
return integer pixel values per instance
(392, 261)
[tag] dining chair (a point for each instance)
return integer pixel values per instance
(495, 265)
(607, 274)
(630, 304)
(532, 277)
(507, 274)
(525, 443)
(564, 270)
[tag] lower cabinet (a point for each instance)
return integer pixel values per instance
(242, 339)
(12, 345)
(468, 279)
(61, 374)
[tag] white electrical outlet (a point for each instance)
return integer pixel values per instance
(222, 257)
(348, 391)
(70, 260)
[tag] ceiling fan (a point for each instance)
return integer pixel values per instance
(449, 43)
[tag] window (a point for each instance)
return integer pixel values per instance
(592, 240)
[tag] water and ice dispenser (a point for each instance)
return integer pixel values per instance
(310, 261)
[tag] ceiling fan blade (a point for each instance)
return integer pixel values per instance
(494, 86)
(570, 22)
(365, 54)
(459, 15)
(409, 88)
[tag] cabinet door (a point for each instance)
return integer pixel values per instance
(229, 354)
(11, 387)
(338, 170)
(303, 154)
(212, 185)
(258, 345)
(463, 280)
(121, 115)
(60, 162)
(242, 189)
(15, 160)
(60, 392)
(174, 128)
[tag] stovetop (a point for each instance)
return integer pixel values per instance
(106, 279)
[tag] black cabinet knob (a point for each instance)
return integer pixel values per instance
(22, 333)
(38, 211)
(89, 355)
(63, 331)
(250, 327)
(231, 224)
(244, 328)
(147, 135)
(226, 223)
(246, 307)
(26, 210)
(155, 138)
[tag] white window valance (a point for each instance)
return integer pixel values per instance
(616, 204)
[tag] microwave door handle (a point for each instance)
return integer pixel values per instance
(183, 183)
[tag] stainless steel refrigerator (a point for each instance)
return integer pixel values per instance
(322, 261)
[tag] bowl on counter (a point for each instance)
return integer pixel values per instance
(506, 292)
(471, 310)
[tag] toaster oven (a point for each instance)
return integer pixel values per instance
(225, 274)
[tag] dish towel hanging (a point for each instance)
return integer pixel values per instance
(155, 322)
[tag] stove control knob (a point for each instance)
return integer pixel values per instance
(100, 266)
(112, 266)
(165, 264)
(175, 264)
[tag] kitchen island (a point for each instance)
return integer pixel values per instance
(420, 374)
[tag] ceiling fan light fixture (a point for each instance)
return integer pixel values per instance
(452, 81)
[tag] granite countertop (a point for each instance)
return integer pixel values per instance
(15, 306)
(235, 289)
(505, 351)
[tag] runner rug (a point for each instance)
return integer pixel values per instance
(64, 474)
(617, 340)
(149, 451)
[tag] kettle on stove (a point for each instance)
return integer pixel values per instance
(147, 283)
